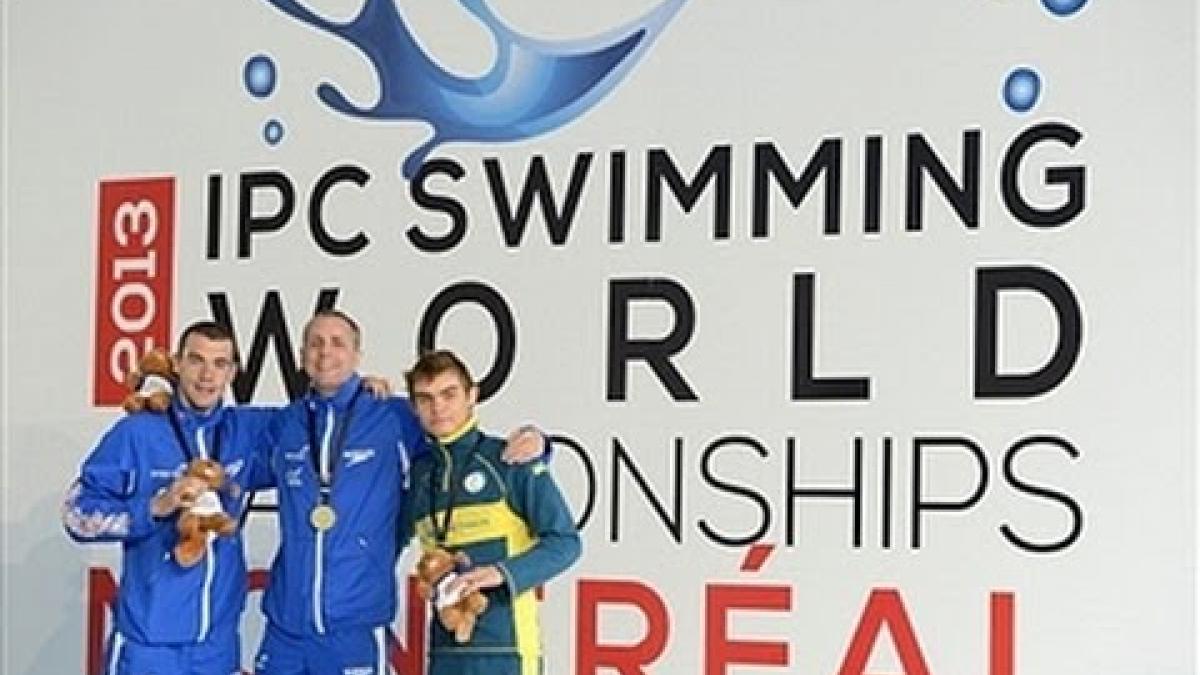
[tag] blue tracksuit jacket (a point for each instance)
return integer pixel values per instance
(160, 602)
(326, 581)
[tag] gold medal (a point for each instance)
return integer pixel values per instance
(322, 517)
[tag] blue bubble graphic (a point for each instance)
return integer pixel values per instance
(1063, 7)
(1022, 88)
(259, 75)
(273, 132)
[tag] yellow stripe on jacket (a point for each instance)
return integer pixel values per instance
(477, 523)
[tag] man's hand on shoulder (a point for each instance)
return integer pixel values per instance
(525, 444)
(377, 386)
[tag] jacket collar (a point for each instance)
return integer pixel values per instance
(461, 433)
(191, 418)
(461, 442)
(340, 399)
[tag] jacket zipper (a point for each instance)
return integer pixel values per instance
(319, 545)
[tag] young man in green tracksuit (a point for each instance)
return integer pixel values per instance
(511, 522)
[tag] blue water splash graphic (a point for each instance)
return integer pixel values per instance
(1063, 7)
(1022, 88)
(534, 86)
(259, 75)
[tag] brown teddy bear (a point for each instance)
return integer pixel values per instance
(205, 514)
(435, 571)
(150, 384)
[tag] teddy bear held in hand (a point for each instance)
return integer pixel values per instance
(150, 383)
(204, 515)
(457, 612)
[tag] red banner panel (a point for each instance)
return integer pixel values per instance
(135, 248)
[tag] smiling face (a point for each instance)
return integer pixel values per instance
(205, 366)
(444, 402)
(330, 353)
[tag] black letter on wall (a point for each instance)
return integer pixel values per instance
(806, 386)
(502, 318)
(656, 353)
(989, 283)
(248, 223)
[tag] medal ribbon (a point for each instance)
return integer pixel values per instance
(325, 478)
(215, 454)
(186, 449)
(442, 530)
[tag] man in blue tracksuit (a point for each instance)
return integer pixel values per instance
(339, 460)
(171, 618)
(511, 522)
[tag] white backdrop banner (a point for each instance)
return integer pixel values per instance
(866, 332)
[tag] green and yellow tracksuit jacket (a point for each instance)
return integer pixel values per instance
(513, 517)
